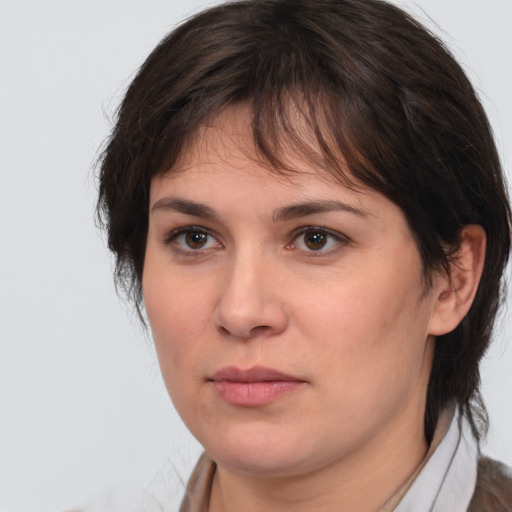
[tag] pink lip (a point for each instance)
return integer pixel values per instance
(253, 387)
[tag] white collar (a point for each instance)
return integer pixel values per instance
(447, 481)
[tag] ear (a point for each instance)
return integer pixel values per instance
(454, 293)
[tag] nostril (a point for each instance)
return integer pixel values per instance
(260, 329)
(223, 331)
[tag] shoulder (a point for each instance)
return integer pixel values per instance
(493, 491)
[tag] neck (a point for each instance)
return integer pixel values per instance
(363, 481)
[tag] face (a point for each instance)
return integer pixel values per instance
(289, 314)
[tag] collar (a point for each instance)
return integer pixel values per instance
(445, 481)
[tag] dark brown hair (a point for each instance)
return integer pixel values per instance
(370, 84)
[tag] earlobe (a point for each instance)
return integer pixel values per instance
(454, 293)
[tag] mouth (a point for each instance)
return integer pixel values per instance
(255, 386)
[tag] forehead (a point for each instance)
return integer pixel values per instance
(221, 170)
(226, 144)
(229, 137)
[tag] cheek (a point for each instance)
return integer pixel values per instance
(368, 328)
(358, 313)
(177, 319)
(370, 362)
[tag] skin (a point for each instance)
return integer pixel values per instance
(347, 316)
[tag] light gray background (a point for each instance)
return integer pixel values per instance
(82, 405)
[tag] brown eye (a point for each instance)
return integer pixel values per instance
(192, 240)
(196, 239)
(315, 240)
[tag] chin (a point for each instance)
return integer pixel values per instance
(262, 452)
(261, 462)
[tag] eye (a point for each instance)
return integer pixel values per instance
(191, 239)
(317, 240)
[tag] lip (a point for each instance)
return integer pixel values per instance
(254, 387)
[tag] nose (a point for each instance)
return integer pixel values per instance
(250, 302)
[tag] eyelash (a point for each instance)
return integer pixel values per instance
(172, 237)
(339, 239)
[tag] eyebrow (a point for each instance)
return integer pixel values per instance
(184, 206)
(282, 214)
(311, 207)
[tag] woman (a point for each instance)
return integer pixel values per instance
(307, 200)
